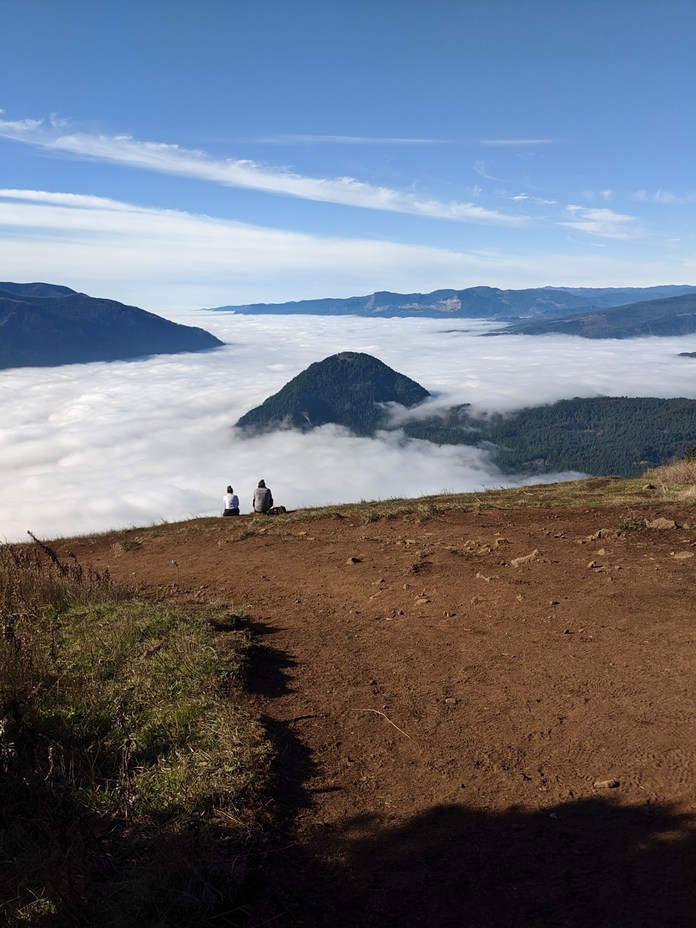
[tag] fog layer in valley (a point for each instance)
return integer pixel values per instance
(86, 448)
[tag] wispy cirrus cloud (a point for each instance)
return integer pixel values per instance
(517, 143)
(664, 197)
(16, 128)
(345, 140)
(481, 168)
(170, 260)
(530, 198)
(169, 158)
(593, 195)
(176, 259)
(601, 222)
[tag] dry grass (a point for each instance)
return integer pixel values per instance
(676, 480)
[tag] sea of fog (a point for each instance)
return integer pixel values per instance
(90, 447)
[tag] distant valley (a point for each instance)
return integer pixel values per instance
(516, 308)
(42, 325)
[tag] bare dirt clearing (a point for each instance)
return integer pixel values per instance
(483, 718)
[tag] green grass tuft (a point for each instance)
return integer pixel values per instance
(128, 769)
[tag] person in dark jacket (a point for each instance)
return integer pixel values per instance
(263, 498)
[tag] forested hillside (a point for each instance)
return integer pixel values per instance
(673, 316)
(600, 435)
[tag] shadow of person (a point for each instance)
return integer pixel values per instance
(591, 863)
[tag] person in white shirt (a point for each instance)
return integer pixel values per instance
(231, 503)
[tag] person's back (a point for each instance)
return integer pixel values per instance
(263, 498)
(231, 503)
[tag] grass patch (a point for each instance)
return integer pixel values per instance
(129, 773)
(679, 474)
(632, 524)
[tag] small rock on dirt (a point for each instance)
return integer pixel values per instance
(661, 524)
(525, 559)
(606, 784)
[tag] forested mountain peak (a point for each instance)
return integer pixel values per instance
(349, 389)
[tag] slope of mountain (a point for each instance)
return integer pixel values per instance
(473, 302)
(346, 389)
(592, 435)
(42, 325)
(673, 316)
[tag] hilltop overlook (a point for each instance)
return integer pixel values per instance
(481, 707)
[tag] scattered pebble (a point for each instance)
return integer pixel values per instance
(525, 559)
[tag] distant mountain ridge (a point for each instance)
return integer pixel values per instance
(473, 302)
(673, 316)
(347, 389)
(43, 325)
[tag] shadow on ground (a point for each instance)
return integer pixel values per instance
(585, 864)
(590, 863)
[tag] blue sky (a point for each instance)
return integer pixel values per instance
(186, 153)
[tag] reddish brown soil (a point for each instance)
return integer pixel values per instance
(448, 718)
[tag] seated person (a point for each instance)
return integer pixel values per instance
(263, 498)
(231, 503)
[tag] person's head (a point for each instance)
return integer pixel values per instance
(262, 483)
(230, 490)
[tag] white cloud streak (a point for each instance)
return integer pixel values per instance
(243, 173)
(602, 222)
(171, 260)
(89, 447)
(345, 140)
(517, 143)
(664, 197)
(482, 170)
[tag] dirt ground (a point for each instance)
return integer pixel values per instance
(483, 719)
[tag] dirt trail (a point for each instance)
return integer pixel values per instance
(483, 719)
